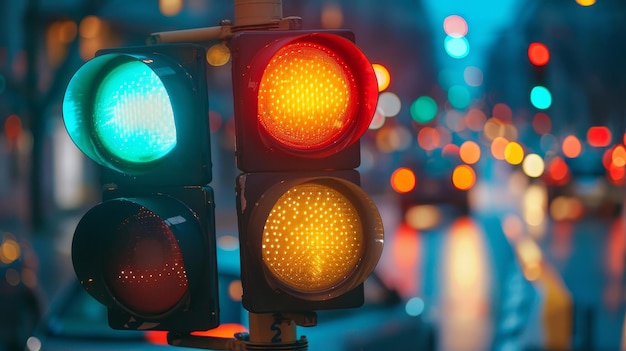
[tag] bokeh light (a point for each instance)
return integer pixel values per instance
(389, 103)
(599, 136)
(502, 112)
(538, 54)
(459, 96)
(429, 138)
(514, 153)
(533, 165)
(571, 146)
(585, 2)
(382, 76)
(457, 48)
(455, 26)
(498, 145)
(403, 180)
(463, 177)
(469, 152)
(542, 124)
(541, 97)
(473, 76)
(475, 119)
(423, 110)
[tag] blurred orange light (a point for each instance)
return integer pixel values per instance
(382, 76)
(498, 145)
(617, 175)
(599, 136)
(403, 180)
(475, 120)
(428, 138)
(463, 177)
(618, 156)
(542, 124)
(538, 54)
(469, 152)
(571, 146)
(450, 150)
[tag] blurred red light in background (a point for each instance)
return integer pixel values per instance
(558, 171)
(12, 127)
(538, 54)
(503, 112)
(455, 26)
(450, 150)
(429, 138)
(542, 124)
(599, 136)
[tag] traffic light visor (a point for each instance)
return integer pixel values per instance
(321, 237)
(118, 110)
(128, 252)
(317, 93)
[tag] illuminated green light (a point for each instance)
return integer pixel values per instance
(456, 47)
(133, 117)
(424, 109)
(541, 97)
(459, 96)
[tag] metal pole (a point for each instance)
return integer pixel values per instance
(253, 12)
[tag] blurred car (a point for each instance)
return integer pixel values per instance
(20, 307)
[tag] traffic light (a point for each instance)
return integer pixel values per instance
(309, 235)
(147, 252)
(539, 57)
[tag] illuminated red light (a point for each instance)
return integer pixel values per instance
(538, 54)
(542, 124)
(455, 26)
(599, 136)
(558, 171)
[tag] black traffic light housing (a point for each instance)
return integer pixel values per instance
(147, 252)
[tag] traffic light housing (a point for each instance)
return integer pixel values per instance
(309, 235)
(147, 252)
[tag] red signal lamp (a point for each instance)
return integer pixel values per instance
(303, 99)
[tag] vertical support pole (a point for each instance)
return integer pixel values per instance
(251, 12)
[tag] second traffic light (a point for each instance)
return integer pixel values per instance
(147, 252)
(309, 234)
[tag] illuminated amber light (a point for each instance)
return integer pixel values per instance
(403, 180)
(304, 97)
(9, 250)
(498, 146)
(313, 238)
(514, 153)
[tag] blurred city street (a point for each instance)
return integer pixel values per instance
(496, 158)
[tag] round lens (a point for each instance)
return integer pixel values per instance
(146, 272)
(305, 97)
(313, 237)
(133, 116)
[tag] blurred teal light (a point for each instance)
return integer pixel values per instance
(133, 115)
(424, 109)
(541, 97)
(456, 47)
(459, 96)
